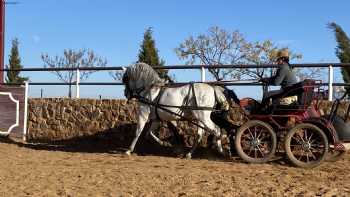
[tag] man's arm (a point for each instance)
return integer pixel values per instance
(280, 75)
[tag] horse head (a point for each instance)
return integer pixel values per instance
(125, 79)
(140, 77)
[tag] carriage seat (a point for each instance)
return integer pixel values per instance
(301, 94)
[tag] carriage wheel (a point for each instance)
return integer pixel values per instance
(256, 142)
(306, 145)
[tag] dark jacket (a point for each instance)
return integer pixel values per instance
(284, 77)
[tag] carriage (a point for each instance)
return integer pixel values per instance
(298, 129)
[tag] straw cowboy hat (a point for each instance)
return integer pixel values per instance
(283, 53)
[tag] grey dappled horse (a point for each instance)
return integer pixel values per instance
(144, 84)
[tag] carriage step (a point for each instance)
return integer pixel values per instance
(341, 146)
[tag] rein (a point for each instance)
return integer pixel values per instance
(186, 101)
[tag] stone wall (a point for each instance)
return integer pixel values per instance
(325, 107)
(62, 119)
(55, 119)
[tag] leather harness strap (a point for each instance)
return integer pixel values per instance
(148, 102)
(185, 103)
(194, 95)
(157, 102)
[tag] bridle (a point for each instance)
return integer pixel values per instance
(128, 92)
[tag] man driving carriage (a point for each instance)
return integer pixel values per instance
(284, 77)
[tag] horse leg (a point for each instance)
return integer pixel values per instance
(172, 125)
(215, 130)
(144, 112)
(155, 125)
(178, 141)
(199, 135)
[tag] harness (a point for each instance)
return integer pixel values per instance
(193, 93)
(157, 102)
(144, 100)
(184, 105)
(136, 93)
(164, 107)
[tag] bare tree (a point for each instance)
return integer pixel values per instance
(216, 47)
(73, 59)
(309, 73)
(261, 52)
(116, 75)
(265, 52)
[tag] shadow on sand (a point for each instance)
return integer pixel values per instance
(116, 141)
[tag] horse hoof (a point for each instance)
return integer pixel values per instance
(188, 156)
(179, 152)
(128, 152)
(229, 154)
(221, 151)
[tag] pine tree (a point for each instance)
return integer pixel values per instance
(14, 63)
(342, 51)
(149, 54)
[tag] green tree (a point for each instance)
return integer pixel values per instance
(148, 53)
(14, 63)
(342, 51)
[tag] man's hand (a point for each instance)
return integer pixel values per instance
(264, 80)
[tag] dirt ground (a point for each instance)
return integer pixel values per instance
(100, 170)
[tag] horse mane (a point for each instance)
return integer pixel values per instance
(142, 75)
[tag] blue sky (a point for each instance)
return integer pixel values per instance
(114, 30)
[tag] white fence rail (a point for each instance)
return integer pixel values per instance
(202, 68)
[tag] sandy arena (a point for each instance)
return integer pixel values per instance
(90, 169)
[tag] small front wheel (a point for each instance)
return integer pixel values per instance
(306, 145)
(256, 142)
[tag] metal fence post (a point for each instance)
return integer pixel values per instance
(203, 74)
(77, 84)
(330, 82)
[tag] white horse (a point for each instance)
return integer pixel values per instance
(158, 102)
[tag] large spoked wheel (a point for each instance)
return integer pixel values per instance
(306, 145)
(256, 142)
